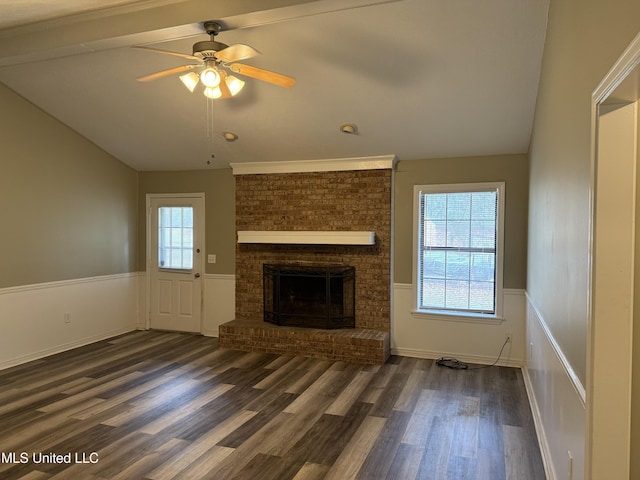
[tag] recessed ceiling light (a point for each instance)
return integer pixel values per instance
(349, 128)
(230, 136)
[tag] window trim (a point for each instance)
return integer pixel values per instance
(460, 315)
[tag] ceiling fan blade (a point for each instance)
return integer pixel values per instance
(236, 52)
(166, 52)
(166, 73)
(264, 75)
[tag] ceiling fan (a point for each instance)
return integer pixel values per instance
(213, 60)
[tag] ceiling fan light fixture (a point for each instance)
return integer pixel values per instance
(234, 84)
(190, 80)
(210, 77)
(212, 92)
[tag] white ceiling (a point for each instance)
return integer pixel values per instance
(420, 78)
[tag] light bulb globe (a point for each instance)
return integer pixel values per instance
(212, 92)
(210, 77)
(234, 84)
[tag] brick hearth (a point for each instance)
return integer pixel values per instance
(357, 200)
(349, 344)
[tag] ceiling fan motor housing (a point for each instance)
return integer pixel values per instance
(207, 49)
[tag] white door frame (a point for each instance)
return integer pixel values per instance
(609, 345)
(200, 265)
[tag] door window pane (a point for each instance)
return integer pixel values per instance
(175, 238)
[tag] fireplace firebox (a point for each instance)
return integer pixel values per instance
(313, 296)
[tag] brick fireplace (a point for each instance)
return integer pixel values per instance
(319, 201)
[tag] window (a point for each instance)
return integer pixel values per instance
(458, 268)
(175, 238)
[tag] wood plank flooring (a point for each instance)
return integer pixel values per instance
(158, 406)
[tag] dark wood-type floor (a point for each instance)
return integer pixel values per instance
(157, 405)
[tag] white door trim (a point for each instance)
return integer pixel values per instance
(148, 257)
(604, 447)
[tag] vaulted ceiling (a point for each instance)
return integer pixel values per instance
(419, 78)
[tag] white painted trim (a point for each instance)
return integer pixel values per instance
(63, 348)
(65, 283)
(381, 162)
(514, 291)
(566, 366)
(48, 318)
(487, 319)
(558, 409)
(445, 316)
(418, 190)
(433, 355)
(627, 62)
(220, 276)
(307, 237)
(545, 449)
(595, 459)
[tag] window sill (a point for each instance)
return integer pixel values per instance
(457, 317)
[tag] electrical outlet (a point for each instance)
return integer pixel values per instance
(508, 337)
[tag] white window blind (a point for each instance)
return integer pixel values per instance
(458, 249)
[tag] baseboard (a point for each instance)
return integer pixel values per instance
(431, 355)
(63, 348)
(545, 451)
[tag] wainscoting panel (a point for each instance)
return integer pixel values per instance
(43, 319)
(467, 341)
(219, 302)
(557, 401)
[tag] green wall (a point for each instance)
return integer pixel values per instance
(511, 169)
(218, 186)
(68, 208)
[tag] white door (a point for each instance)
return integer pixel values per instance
(175, 261)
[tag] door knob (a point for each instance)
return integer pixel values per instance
(197, 275)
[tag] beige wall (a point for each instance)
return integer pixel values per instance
(635, 367)
(584, 38)
(218, 186)
(512, 169)
(68, 208)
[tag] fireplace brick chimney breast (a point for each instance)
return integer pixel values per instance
(357, 200)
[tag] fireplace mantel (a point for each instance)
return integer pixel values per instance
(306, 237)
